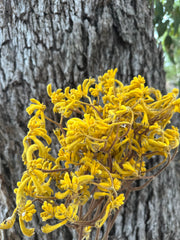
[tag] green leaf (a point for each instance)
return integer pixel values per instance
(162, 27)
(169, 6)
(169, 45)
(176, 17)
(168, 41)
(159, 12)
(170, 53)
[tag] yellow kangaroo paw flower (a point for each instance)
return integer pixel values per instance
(49, 228)
(60, 195)
(9, 222)
(26, 231)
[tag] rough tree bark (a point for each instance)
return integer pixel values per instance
(62, 42)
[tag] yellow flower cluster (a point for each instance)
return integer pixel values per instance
(111, 133)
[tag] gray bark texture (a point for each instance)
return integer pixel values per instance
(63, 42)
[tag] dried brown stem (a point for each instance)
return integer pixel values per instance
(80, 234)
(111, 223)
(54, 170)
(58, 124)
(93, 221)
(97, 234)
(77, 111)
(92, 107)
(93, 205)
(50, 120)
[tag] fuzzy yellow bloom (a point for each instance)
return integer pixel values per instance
(9, 222)
(36, 106)
(101, 221)
(98, 195)
(20, 193)
(26, 231)
(63, 195)
(117, 202)
(69, 213)
(50, 228)
(114, 204)
(107, 132)
(49, 211)
(85, 179)
(27, 211)
(128, 167)
(86, 233)
(66, 183)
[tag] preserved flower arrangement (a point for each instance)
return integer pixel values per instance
(107, 133)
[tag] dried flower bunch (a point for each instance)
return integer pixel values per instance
(111, 133)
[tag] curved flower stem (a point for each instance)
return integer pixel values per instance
(111, 221)
(80, 217)
(50, 120)
(80, 233)
(58, 124)
(93, 205)
(112, 183)
(97, 234)
(95, 139)
(155, 175)
(54, 170)
(138, 178)
(77, 111)
(116, 138)
(109, 134)
(46, 198)
(93, 221)
(92, 107)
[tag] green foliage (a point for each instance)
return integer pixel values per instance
(167, 25)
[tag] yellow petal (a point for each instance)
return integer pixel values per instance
(30, 152)
(26, 231)
(26, 145)
(85, 178)
(49, 90)
(157, 143)
(42, 133)
(60, 195)
(101, 221)
(118, 169)
(128, 166)
(20, 195)
(97, 195)
(118, 201)
(34, 107)
(9, 222)
(49, 228)
(41, 146)
(117, 184)
(33, 100)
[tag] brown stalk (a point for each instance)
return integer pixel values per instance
(128, 156)
(116, 138)
(111, 129)
(111, 223)
(80, 234)
(44, 197)
(93, 205)
(77, 111)
(92, 222)
(58, 124)
(92, 107)
(50, 120)
(97, 234)
(112, 183)
(55, 170)
(99, 207)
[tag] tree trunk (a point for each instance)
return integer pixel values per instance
(63, 42)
